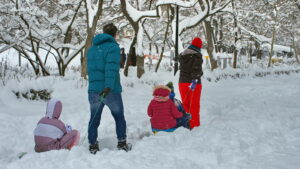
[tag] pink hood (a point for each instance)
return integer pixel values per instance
(162, 91)
(54, 108)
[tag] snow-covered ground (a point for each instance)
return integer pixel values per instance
(248, 123)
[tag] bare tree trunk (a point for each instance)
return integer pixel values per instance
(19, 59)
(235, 37)
(35, 51)
(272, 47)
(140, 66)
(45, 61)
(258, 50)
(215, 35)
(59, 65)
(273, 37)
(210, 45)
(295, 49)
(250, 52)
(136, 26)
(139, 54)
(128, 60)
(90, 34)
(221, 33)
(165, 39)
(31, 62)
(134, 41)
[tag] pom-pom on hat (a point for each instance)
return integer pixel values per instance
(197, 42)
(170, 85)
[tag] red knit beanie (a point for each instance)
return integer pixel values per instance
(197, 42)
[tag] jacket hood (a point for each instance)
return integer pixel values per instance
(162, 91)
(188, 51)
(54, 108)
(102, 38)
(195, 48)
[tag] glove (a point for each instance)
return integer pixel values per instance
(193, 85)
(104, 93)
(172, 95)
(188, 116)
(68, 128)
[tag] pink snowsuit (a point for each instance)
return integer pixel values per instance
(51, 133)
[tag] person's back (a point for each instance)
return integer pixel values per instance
(190, 86)
(103, 60)
(103, 64)
(190, 66)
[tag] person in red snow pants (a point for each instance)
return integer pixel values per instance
(191, 101)
(190, 80)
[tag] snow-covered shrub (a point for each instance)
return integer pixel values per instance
(37, 89)
(252, 71)
(33, 94)
(8, 72)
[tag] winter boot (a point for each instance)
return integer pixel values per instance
(123, 145)
(94, 148)
(188, 118)
(188, 125)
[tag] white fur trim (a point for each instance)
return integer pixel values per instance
(161, 87)
(50, 108)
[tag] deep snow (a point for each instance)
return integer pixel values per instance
(249, 123)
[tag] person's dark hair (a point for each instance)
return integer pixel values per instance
(110, 29)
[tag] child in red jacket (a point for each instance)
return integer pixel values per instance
(163, 112)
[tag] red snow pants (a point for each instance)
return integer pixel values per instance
(191, 102)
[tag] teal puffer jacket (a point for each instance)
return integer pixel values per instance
(103, 64)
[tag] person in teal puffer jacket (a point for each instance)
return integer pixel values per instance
(103, 66)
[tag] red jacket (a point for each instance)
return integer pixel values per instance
(162, 110)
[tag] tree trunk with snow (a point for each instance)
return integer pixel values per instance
(91, 29)
(19, 59)
(128, 60)
(235, 51)
(250, 52)
(210, 44)
(165, 39)
(295, 49)
(24, 54)
(258, 50)
(140, 66)
(273, 36)
(272, 47)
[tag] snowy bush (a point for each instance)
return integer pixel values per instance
(253, 71)
(8, 72)
(32, 88)
(33, 94)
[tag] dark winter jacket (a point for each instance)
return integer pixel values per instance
(190, 66)
(162, 110)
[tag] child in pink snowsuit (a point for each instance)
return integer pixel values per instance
(53, 134)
